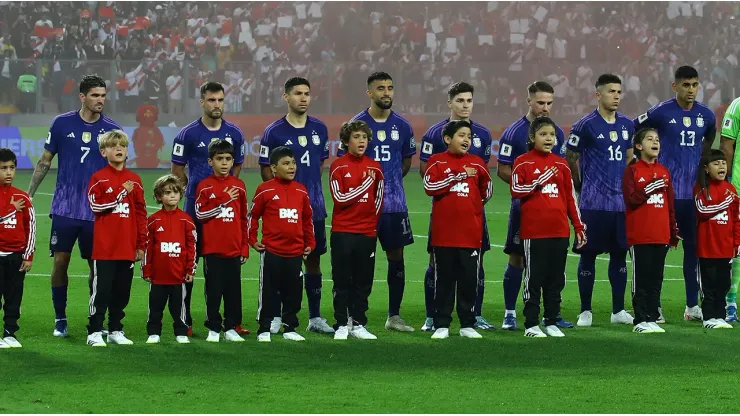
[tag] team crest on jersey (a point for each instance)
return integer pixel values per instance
(700, 121)
(687, 121)
(395, 135)
(625, 134)
(381, 135)
(86, 137)
(613, 136)
(476, 141)
(316, 139)
(302, 140)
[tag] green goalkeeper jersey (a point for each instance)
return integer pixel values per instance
(731, 130)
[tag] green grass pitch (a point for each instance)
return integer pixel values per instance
(605, 368)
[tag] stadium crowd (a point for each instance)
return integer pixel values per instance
(158, 48)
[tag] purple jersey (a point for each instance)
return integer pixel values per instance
(310, 145)
(191, 148)
(513, 142)
(393, 141)
(433, 143)
(602, 147)
(681, 135)
(75, 141)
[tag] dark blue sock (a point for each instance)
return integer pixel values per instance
(481, 288)
(586, 278)
(313, 293)
(396, 285)
(59, 299)
(429, 291)
(618, 279)
(512, 284)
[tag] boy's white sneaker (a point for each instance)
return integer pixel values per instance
(585, 318)
(656, 329)
(118, 337)
(441, 333)
(723, 324)
(360, 332)
(153, 339)
(232, 336)
(96, 339)
(643, 328)
(264, 337)
(293, 336)
(470, 333)
(622, 317)
(276, 324)
(693, 314)
(534, 332)
(319, 325)
(341, 333)
(397, 323)
(213, 336)
(3, 345)
(182, 339)
(12, 342)
(554, 331)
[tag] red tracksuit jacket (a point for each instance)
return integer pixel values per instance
(648, 197)
(170, 249)
(718, 225)
(287, 225)
(17, 228)
(224, 220)
(120, 217)
(457, 204)
(547, 200)
(358, 198)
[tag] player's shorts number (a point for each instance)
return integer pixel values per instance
(615, 153)
(305, 159)
(382, 153)
(85, 152)
(406, 225)
(690, 135)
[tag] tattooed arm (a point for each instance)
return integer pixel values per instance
(40, 171)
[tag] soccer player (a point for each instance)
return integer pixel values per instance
(686, 129)
(460, 102)
(170, 260)
(287, 237)
(730, 134)
(513, 144)
(308, 138)
(116, 196)
(356, 183)
(221, 206)
(599, 148)
(459, 184)
(17, 244)
(393, 147)
(191, 149)
(73, 136)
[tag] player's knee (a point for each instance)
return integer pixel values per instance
(395, 254)
(313, 264)
(516, 260)
(61, 260)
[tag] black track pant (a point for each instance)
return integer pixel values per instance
(648, 262)
(714, 283)
(352, 271)
(544, 275)
(161, 295)
(110, 291)
(11, 291)
(279, 274)
(455, 273)
(223, 281)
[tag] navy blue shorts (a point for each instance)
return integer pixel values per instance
(65, 231)
(513, 242)
(394, 230)
(189, 208)
(686, 220)
(606, 231)
(485, 246)
(319, 232)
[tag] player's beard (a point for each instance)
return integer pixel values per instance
(383, 106)
(93, 108)
(215, 117)
(299, 111)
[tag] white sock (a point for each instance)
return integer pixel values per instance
(508, 312)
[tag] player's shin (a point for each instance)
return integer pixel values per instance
(618, 279)
(586, 278)
(512, 284)
(396, 286)
(313, 293)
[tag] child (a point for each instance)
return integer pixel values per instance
(543, 183)
(116, 199)
(356, 184)
(170, 259)
(221, 205)
(651, 226)
(287, 238)
(459, 184)
(718, 232)
(17, 244)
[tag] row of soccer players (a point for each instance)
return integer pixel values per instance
(71, 218)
